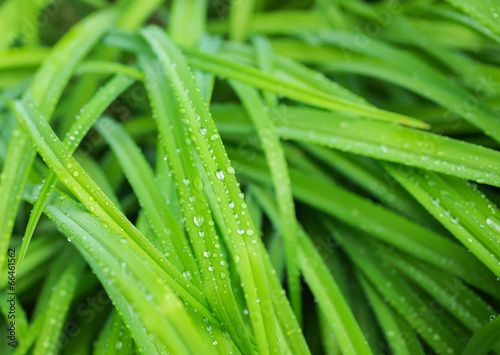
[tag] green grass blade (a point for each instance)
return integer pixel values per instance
(44, 92)
(460, 301)
(377, 140)
(190, 180)
(400, 295)
(190, 14)
(115, 338)
(397, 335)
(486, 12)
(88, 115)
(484, 339)
(22, 57)
(392, 143)
(107, 67)
(338, 100)
(221, 175)
(461, 18)
(381, 223)
(197, 216)
(240, 15)
(59, 302)
(323, 285)
(141, 177)
(391, 63)
(160, 311)
(74, 177)
(252, 76)
(372, 179)
(461, 208)
(281, 181)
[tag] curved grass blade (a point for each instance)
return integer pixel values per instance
(398, 333)
(381, 223)
(336, 98)
(118, 266)
(484, 339)
(23, 57)
(30, 338)
(218, 168)
(255, 77)
(392, 143)
(140, 176)
(88, 115)
(106, 67)
(393, 64)
(43, 93)
(206, 81)
(240, 16)
(85, 189)
(486, 12)
(195, 206)
(461, 208)
(460, 301)
(460, 18)
(60, 300)
(399, 293)
(187, 14)
(292, 71)
(384, 142)
(115, 338)
(322, 284)
(371, 178)
(276, 160)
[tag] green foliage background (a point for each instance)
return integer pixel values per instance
(250, 176)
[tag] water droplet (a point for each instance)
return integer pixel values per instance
(198, 183)
(198, 221)
(493, 223)
(220, 174)
(214, 137)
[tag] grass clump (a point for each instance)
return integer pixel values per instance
(242, 177)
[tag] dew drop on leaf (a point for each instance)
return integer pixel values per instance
(220, 174)
(198, 221)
